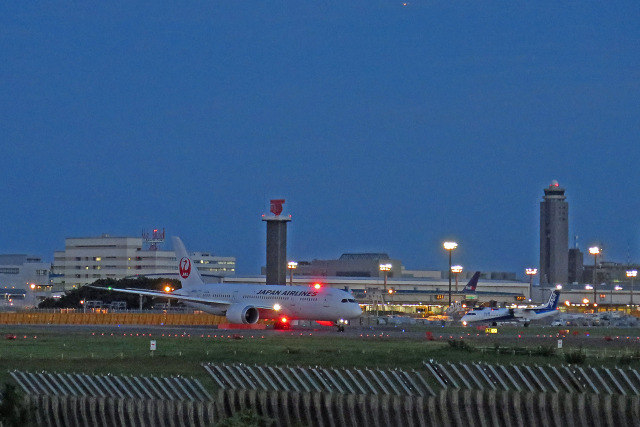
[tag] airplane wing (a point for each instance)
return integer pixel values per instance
(179, 297)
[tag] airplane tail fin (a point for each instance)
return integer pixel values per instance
(189, 274)
(471, 286)
(552, 304)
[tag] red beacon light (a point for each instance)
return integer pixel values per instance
(317, 286)
(284, 320)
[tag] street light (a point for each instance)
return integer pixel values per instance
(456, 269)
(595, 251)
(291, 265)
(168, 289)
(631, 274)
(385, 268)
(531, 272)
(450, 246)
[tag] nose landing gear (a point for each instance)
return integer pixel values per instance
(340, 324)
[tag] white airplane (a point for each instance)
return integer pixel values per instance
(245, 303)
(526, 315)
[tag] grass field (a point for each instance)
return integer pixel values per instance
(127, 351)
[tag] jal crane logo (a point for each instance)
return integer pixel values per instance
(185, 267)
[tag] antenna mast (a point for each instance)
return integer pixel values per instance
(153, 239)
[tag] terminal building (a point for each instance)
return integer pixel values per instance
(87, 259)
(348, 265)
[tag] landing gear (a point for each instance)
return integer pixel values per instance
(526, 324)
(340, 324)
(282, 326)
(340, 328)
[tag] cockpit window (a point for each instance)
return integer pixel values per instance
(348, 300)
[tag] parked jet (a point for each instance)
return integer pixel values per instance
(246, 303)
(526, 315)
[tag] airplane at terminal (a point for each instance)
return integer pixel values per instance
(246, 303)
(526, 315)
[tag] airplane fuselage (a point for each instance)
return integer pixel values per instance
(488, 315)
(294, 302)
(495, 315)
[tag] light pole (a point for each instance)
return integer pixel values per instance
(168, 289)
(595, 251)
(531, 272)
(456, 269)
(291, 265)
(385, 268)
(450, 246)
(33, 299)
(631, 274)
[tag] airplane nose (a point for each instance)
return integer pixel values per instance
(357, 311)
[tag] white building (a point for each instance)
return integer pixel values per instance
(210, 265)
(87, 259)
(21, 275)
(20, 271)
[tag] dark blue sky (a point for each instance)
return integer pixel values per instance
(385, 127)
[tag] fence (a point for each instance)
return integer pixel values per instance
(110, 318)
(569, 379)
(317, 379)
(169, 388)
(450, 407)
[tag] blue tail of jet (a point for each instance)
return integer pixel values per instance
(552, 304)
(471, 286)
(553, 300)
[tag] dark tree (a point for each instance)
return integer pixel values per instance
(72, 298)
(14, 411)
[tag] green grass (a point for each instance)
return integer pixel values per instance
(55, 351)
(60, 350)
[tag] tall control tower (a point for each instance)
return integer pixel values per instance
(276, 244)
(554, 236)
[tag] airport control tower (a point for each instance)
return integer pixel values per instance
(276, 244)
(554, 237)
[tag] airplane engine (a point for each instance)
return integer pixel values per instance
(242, 314)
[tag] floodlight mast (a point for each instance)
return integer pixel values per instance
(450, 246)
(595, 251)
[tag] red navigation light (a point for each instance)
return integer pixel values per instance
(284, 320)
(317, 285)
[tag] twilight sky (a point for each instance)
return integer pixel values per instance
(387, 128)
